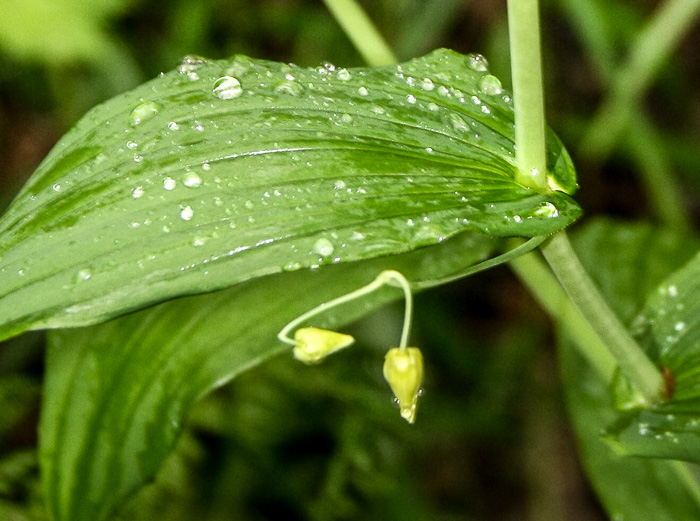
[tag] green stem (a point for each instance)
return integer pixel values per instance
(633, 362)
(643, 142)
(361, 32)
(528, 96)
(651, 48)
(665, 196)
(388, 277)
(535, 275)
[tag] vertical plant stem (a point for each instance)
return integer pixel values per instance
(523, 21)
(528, 96)
(361, 32)
(535, 275)
(632, 360)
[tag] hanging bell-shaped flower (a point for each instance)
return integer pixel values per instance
(403, 369)
(313, 344)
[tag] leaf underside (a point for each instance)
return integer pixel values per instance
(118, 394)
(223, 171)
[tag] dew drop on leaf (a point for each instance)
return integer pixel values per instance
(344, 75)
(186, 213)
(289, 87)
(169, 183)
(362, 91)
(142, 112)
(323, 247)
(137, 192)
(82, 275)
(427, 84)
(458, 123)
(191, 180)
(227, 87)
(546, 210)
(490, 85)
(477, 62)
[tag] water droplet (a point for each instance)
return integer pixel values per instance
(477, 62)
(680, 326)
(56, 187)
(673, 290)
(432, 106)
(323, 247)
(339, 184)
(490, 85)
(83, 275)
(227, 87)
(191, 180)
(344, 75)
(411, 98)
(443, 91)
(427, 84)
(138, 192)
(249, 204)
(169, 183)
(458, 123)
(173, 126)
(189, 63)
(132, 145)
(546, 210)
(241, 65)
(289, 87)
(362, 91)
(346, 118)
(186, 213)
(142, 112)
(485, 109)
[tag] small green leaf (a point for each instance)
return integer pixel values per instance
(223, 171)
(117, 394)
(630, 488)
(670, 328)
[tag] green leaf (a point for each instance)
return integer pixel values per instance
(117, 394)
(60, 31)
(223, 171)
(629, 487)
(670, 327)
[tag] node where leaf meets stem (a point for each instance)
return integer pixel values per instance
(526, 67)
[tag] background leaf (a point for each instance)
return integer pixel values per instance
(670, 327)
(629, 487)
(225, 171)
(117, 394)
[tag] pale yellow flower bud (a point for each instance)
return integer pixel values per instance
(403, 369)
(314, 344)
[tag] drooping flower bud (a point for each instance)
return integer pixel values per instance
(313, 344)
(403, 369)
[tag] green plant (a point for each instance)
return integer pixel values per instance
(176, 228)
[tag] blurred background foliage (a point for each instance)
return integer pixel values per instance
(285, 441)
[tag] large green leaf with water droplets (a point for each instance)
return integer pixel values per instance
(223, 171)
(117, 394)
(642, 489)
